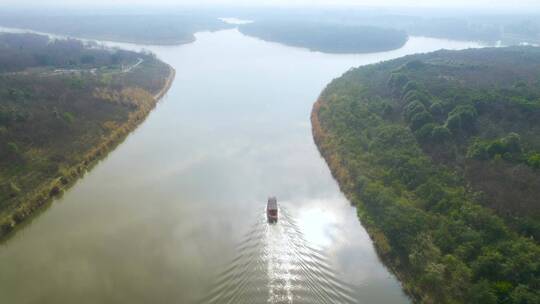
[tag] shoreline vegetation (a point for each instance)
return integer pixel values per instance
(332, 38)
(427, 188)
(322, 140)
(131, 93)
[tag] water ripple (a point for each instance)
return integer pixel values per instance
(275, 264)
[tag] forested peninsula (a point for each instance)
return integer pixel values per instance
(327, 37)
(440, 154)
(64, 105)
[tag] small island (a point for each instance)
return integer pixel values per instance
(64, 105)
(440, 154)
(327, 37)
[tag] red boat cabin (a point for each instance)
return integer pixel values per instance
(272, 210)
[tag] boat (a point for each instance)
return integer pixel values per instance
(272, 210)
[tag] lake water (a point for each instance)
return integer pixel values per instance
(176, 213)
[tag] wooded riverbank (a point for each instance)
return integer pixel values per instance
(439, 154)
(51, 188)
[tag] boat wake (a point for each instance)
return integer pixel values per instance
(275, 264)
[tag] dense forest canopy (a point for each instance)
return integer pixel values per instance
(327, 37)
(137, 28)
(441, 155)
(55, 121)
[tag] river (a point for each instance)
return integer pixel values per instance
(175, 214)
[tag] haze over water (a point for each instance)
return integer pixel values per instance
(165, 213)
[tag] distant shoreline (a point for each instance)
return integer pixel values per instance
(139, 41)
(318, 38)
(6, 29)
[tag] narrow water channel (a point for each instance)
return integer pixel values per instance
(173, 215)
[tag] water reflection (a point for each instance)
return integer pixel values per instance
(318, 224)
(276, 263)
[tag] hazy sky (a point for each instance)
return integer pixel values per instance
(533, 5)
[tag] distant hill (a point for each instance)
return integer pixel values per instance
(441, 155)
(327, 37)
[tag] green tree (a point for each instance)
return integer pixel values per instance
(424, 134)
(453, 122)
(462, 117)
(436, 108)
(420, 119)
(489, 265)
(423, 252)
(13, 148)
(413, 108)
(481, 293)
(68, 117)
(524, 295)
(534, 160)
(440, 134)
